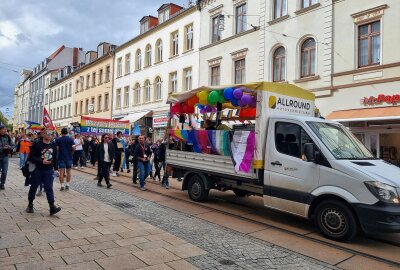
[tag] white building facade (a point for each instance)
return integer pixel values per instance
(229, 42)
(164, 58)
(21, 101)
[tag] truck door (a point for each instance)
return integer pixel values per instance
(291, 177)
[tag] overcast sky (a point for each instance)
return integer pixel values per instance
(30, 30)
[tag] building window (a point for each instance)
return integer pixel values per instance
(106, 101)
(126, 96)
(308, 62)
(92, 103)
(82, 81)
(280, 8)
(215, 75)
(81, 107)
(58, 113)
(144, 27)
(118, 98)
(87, 106)
(138, 59)
(147, 89)
(148, 55)
(159, 56)
(76, 108)
(70, 90)
(87, 81)
(93, 79)
(173, 82)
(62, 92)
(369, 44)
(128, 63)
(158, 88)
(69, 110)
(65, 111)
(241, 19)
(188, 79)
(66, 91)
(137, 94)
(279, 65)
(108, 69)
(307, 3)
(163, 16)
(46, 99)
(100, 76)
(216, 29)
(240, 71)
(99, 101)
(119, 67)
(189, 37)
(174, 43)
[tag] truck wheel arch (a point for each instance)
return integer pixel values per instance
(187, 176)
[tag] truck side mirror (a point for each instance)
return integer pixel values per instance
(310, 152)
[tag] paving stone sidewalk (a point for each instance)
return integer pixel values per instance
(86, 234)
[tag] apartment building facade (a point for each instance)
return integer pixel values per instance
(21, 101)
(229, 41)
(92, 84)
(62, 57)
(163, 58)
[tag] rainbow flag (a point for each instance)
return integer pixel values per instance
(33, 125)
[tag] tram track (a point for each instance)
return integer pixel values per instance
(267, 225)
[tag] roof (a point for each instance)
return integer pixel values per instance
(281, 88)
(163, 6)
(54, 54)
(367, 114)
(146, 17)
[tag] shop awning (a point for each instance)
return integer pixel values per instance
(133, 117)
(367, 114)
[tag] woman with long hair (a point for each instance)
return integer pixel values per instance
(105, 156)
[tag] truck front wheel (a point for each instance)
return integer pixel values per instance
(197, 189)
(335, 220)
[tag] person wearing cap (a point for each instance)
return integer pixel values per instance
(6, 148)
(44, 155)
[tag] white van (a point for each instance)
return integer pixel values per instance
(302, 165)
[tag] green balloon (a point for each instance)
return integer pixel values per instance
(221, 98)
(213, 97)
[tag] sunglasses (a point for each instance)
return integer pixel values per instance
(49, 133)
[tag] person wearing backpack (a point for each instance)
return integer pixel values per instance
(6, 148)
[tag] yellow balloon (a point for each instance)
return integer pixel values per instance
(203, 101)
(203, 95)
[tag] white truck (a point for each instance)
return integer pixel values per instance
(302, 164)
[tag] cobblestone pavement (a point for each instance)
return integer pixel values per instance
(86, 234)
(227, 249)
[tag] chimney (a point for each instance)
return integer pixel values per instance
(75, 56)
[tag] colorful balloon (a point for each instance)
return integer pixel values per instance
(228, 93)
(246, 99)
(213, 97)
(234, 102)
(238, 93)
(203, 101)
(253, 102)
(203, 95)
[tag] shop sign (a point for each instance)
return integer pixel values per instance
(160, 121)
(381, 99)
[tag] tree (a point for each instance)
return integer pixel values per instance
(4, 121)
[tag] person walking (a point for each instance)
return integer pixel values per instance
(132, 151)
(44, 155)
(23, 148)
(105, 155)
(163, 150)
(158, 159)
(123, 157)
(6, 148)
(65, 146)
(118, 153)
(143, 154)
(85, 152)
(78, 159)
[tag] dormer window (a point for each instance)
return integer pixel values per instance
(144, 27)
(100, 50)
(163, 15)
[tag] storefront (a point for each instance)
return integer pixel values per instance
(374, 117)
(160, 122)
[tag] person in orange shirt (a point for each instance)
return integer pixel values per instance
(23, 148)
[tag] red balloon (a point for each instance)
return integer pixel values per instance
(188, 109)
(176, 108)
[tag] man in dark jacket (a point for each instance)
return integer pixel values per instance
(44, 155)
(132, 151)
(118, 153)
(105, 156)
(6, 148)
(143, 154)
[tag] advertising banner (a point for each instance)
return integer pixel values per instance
(99, 126)
(160, 121)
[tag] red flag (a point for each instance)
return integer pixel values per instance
(47, 123)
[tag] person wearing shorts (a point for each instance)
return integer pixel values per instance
(65, 146)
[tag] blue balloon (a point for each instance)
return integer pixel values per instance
(228, 93)
(235, 102)
(200, 106)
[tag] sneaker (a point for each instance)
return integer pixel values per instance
(66, 187)
(29, 209)
(99, 185)
(114, 174)
(39, 193)
(167, 187)
(62, 188)
(82, 167)
(109, 185)
(142, 189)
(54, 210)
(2, 187)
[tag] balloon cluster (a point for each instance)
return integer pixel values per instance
(240, 97)
(206, 100)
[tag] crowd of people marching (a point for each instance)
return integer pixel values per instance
(44, 156)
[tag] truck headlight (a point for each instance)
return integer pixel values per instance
(385, 193)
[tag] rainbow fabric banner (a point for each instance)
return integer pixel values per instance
(33, 125)
(242, 146)
(100, 126)
(214, 142)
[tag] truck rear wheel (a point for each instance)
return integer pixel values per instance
(197, 189)
(335, 220)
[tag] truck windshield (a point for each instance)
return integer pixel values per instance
(339, 141)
